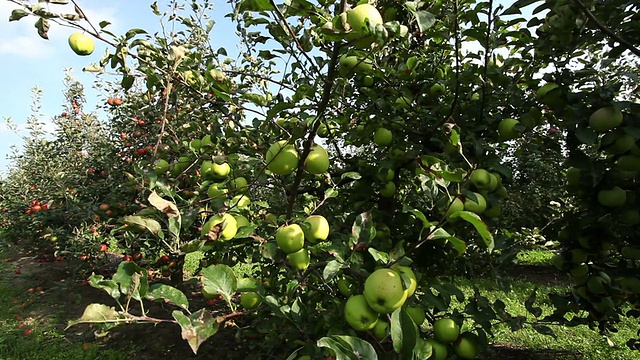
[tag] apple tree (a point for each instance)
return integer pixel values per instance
(352, 158)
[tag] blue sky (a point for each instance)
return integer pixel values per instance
(27, 61)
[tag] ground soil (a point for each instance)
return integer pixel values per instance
(63, 297)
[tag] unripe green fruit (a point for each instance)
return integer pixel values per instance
(290, 238)
(250, 300)
(507, 129)
(382, 137)
(630, 217)
(481, 179)
(282, 158)
(317, 161)
(605, 119)
(381, 330)
(228, 227)
(612, 197)
(346, 286)
(300, 259)
(446, 330)
(438, 350)
(388, 190)
(465, 347)
(81, 44)
(350, 65)
(359, 314)
(476, 204)
(416, 314)
(573, 176)
(629, 163)
(383, 291)
(550, 94)
(631, 253)
(315, 228)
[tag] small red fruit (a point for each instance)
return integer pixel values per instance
(164, 259)
(27, 332)
(117, 101)
(104, 247)
(127, 258)
(110, 101)
(18, 271)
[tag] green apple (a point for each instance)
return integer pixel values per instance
(550, 94)
(476, 204)
(630, 217)
(206, 141)
(628, 163)
(384, 291)
(228, 227)
(215, 192)
(386, 174)
(81, 44)
(350, 65)
(315, 228)
(495, 181)
(630, 284)
(388, 190)
(282, 158)
(239, 202)
(481, 179)
(416, 314)
(241, 220)
(359, 314)
(613, 197)
(507, 129)
(195, 144)
(381, 330)
(501, 191)
(161, 166)
(346, 286)
(290, 238)
(382, 137)
(605, 119)
(493, 211)
(605, 305)
(408, 273)
(446, 330)
(615, 143)
(438, 350)
(238, 183)
(456, 205)
(436, 89)
(299, 259)
(356, 18)
(629, 252)
(317, 161)
(220, 171)
(250, 300)
(465, 347)
(403, 102)
(573, 176)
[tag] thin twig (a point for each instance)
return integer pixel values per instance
(606, 30)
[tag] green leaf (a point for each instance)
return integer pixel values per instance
(330, 193)
(332, 269)
(197, 327)
(254, 5)
(348, 347)
(151, 225)
(528, 304)
(380, 257)
(362, 229)
(43, 28)
(127, 80)
(480, 226)
(351, 175)
(425, 19)
(168, 294)
(18, 14)
(417, 213)
(422, 350)
(221, 280)
(98, 282)
(544, 330)
(132, 279)
(104, 24)
(404, 332)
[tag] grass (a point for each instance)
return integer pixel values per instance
(27, 334)
(575, 339)
(535, 257)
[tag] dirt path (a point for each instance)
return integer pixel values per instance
(57, 294)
